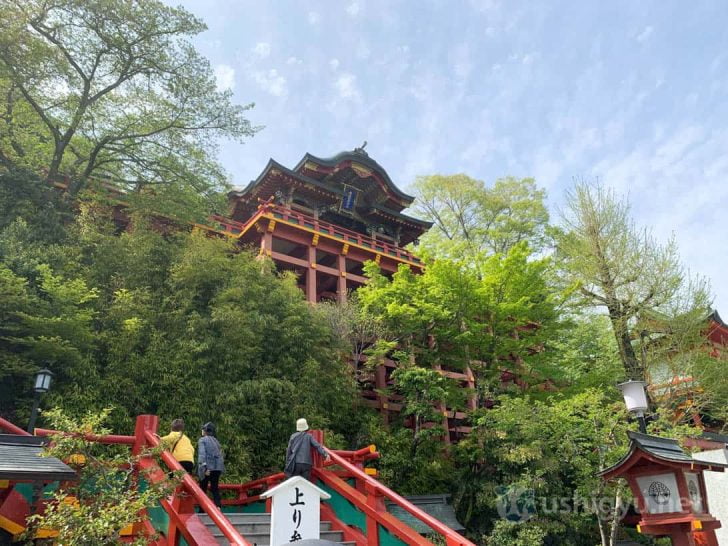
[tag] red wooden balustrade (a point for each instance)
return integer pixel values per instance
(371, 502)
(190, 487)
(7, 426)
(367, 495)
(181, 508)
(345, 235)
(299, 218)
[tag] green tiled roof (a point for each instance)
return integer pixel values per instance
(434, 505)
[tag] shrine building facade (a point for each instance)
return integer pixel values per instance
(324, 219)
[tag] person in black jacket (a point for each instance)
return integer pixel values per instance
(298, 454)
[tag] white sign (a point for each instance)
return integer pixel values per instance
(660, 493)
(694, 491)
(296, 511)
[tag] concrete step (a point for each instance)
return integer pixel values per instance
(256, 529)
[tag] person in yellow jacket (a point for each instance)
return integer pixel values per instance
(179, 444)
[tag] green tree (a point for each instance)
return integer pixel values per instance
(107, 496)
(472, 220)
(617, 266)
(544, 455)
(52, 327)
(500, 317)
(114, 90)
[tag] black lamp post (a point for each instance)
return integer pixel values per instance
(42, 384)
(635, 399)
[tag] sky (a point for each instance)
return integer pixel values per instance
(634, 94)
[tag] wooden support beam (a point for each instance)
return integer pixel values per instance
(341, 282)
(311, 275)
(266, 243)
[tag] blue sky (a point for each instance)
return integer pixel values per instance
(632, 93)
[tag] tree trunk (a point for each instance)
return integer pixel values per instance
(616, 518)
(632, 366)
(602, 531)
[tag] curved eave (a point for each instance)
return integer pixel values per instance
(715, 317)
(414, 222)
(638, 451)
(331, 162)
(274, 165)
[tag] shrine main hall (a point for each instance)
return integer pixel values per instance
(324, 219)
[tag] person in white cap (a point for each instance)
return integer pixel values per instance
(298, 454)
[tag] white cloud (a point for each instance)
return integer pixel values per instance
(334, 64)
(645, 34)
(346, 86)
(272, 82)
(224, 77)
(353, 9)
(461, 61)
(362, 51)
(313, 17)
(294, 61)
(262, 49)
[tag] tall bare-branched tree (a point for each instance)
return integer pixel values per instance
(619, 267)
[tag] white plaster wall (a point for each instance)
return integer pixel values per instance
(716, 484)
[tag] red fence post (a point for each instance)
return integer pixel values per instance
(318, 435)
(374, 500)
(143, 423)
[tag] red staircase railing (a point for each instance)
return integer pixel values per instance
(371, 502)
(366, 494)
(181, 509)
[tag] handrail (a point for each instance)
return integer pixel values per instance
(13, 429)
(451, 537)
(222, 523)
(102, 439)
(332, 229)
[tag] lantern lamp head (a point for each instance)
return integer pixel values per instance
(634, 396)
(43, 380)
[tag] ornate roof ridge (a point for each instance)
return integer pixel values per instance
(360, 156)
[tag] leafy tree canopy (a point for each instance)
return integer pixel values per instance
(113, 90)
(472, 220)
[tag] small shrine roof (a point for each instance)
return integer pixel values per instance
(661, 449)
(434, 505)
(21, 460)
(715, 317)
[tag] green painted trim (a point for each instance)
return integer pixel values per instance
(388, 539)
(345, 510)
(159, 518)
(254, 508)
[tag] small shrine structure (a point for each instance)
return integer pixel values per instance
(669, 488)
(324, 218)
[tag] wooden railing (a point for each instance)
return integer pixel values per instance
(340, 233)
(181, 509)
(367, 495)
(372, 503)
(235, 228)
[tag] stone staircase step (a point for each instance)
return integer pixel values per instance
(256, 529)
